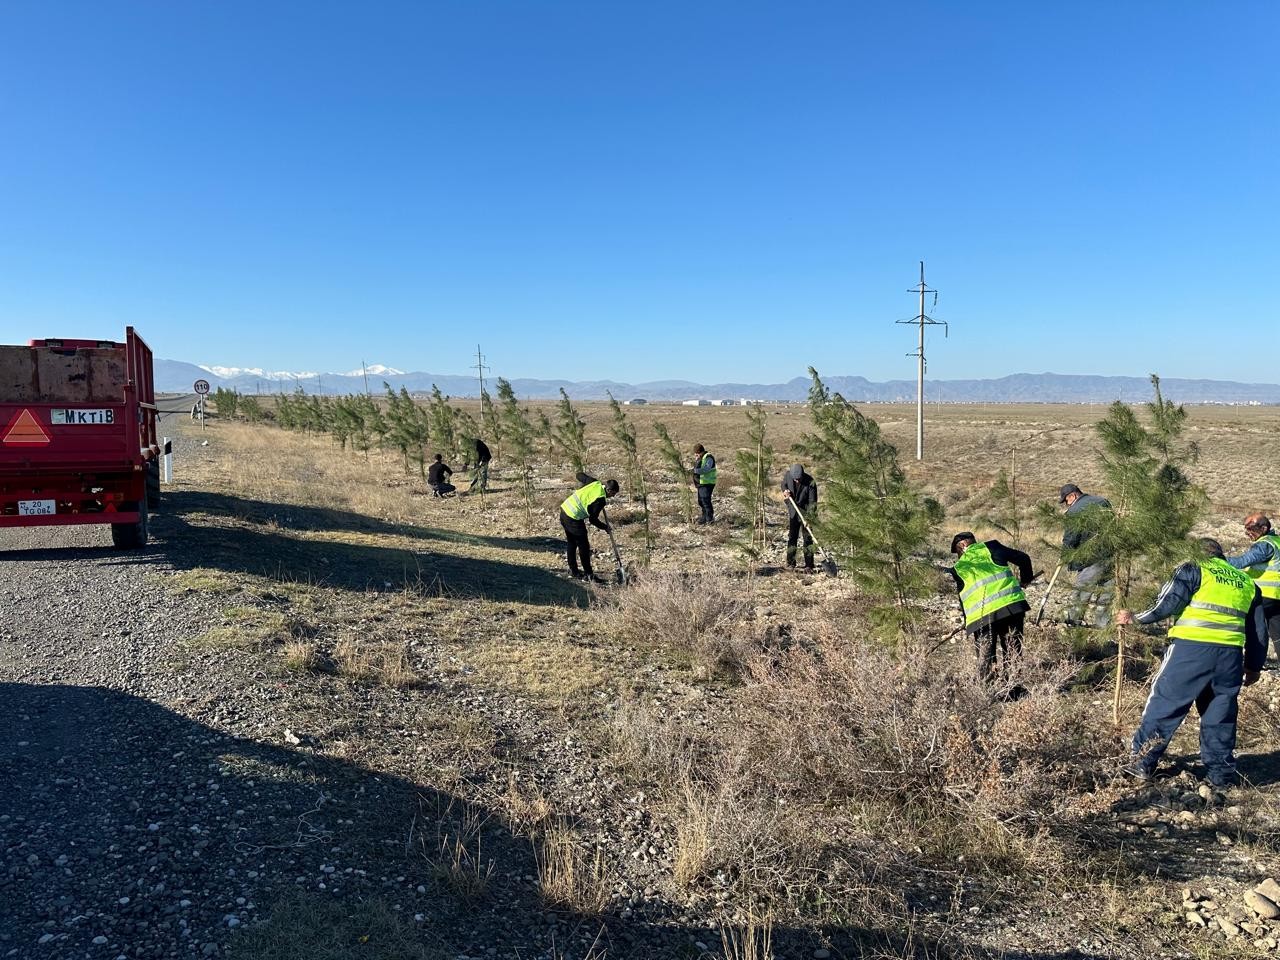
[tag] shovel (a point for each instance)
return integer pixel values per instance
(1048, 590)
(828, 565)
(619, 574)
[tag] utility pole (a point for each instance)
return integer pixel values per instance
(922, 320)
(365, 370)
(480, 367)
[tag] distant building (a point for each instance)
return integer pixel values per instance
(637, 402)
(696, 403)
(728, 403)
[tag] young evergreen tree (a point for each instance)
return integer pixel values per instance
(1003, 511)
(546, 432)
(224, 402)
(872, 518)
(251, 409)
(624, 432)
(490, 420)
(519, 431)
(1154, 504)
(671, 454)
(443, 424)
(571, 434)
(755, 467)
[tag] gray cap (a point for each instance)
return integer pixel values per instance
(1068, 488)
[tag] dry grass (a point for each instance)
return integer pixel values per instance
(300, 656)
(751, 941)
(378, 662)
(700, 618)
(569, 876)
(456, 857)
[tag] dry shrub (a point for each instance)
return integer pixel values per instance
(568, 876)
(698, 617)
(938, 754)
(526, 806)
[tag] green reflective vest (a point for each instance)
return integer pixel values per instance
(575, 506)
(708, 478)
(1217, 611)
(986, 586)
(1267, 575)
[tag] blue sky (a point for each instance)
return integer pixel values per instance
(649, 190)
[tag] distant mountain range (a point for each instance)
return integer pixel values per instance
(174, 376)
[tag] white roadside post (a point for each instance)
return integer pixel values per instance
(166, 461)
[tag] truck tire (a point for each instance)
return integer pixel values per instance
(153, 484)
(131, 536)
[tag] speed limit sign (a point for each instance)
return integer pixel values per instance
(201, 387)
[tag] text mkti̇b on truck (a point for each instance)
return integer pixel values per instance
(78, 435)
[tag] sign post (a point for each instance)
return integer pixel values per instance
(201, 388)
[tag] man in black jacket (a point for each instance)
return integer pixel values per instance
(480, 474)
(991, 598)
(438, 475)
(801, 491)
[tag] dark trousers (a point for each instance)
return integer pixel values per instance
(1208, 675)
(577, 544)
(441, 488)
(704, 501)
(480, 477)
(1006, 633)
(1271, 610)
(794, 529)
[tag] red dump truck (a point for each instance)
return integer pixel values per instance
(78, 435)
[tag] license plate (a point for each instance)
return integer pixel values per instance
(37, 508)
(82, 417)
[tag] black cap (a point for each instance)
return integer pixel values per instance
(1068, 489)
(964, 535)
(610, 488)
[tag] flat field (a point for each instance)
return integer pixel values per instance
(722, 757)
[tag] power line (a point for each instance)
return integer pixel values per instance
(922, 320)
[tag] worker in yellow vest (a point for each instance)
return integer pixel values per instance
(704, 477)
(581, 507)
(1262, 562)
(991, 598)
(1217, 644)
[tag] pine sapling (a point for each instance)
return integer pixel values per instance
(571, 434)
(755, 467)
(519, 431)
(624, 432)
(872, 518)
(671, 454)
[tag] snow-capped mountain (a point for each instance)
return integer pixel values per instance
(230, 373)
(374, 370)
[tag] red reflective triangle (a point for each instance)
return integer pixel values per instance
(24, 428)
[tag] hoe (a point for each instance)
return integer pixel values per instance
(620, 573)
(828, 565)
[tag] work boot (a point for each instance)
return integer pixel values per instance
(595, 579)
(1223, 779)
(1139, 771)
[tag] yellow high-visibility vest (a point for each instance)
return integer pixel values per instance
(986, 586)
(1267, 575)
(1218, 609)
(575, 506)
(709, 477)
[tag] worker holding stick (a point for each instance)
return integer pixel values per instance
(1217, 644)
(991, 599)
(583, 505)
(802, 491)
(704, 478)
